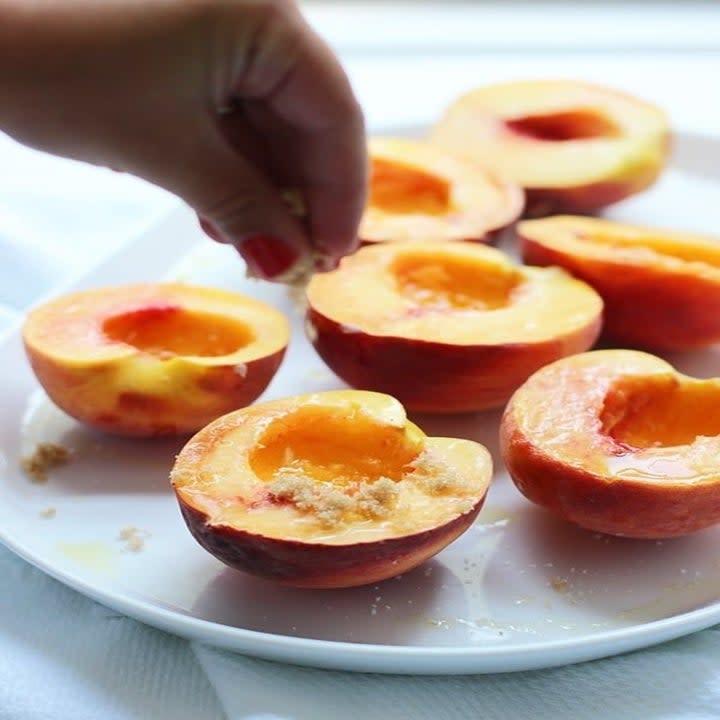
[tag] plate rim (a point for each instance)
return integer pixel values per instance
(361, 657)
(335, 654)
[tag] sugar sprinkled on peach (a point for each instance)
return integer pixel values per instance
(329, 489)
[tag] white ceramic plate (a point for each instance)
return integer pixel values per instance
(519, 590)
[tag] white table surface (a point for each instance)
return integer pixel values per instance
(62, 656)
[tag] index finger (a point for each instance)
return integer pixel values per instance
(329, 153)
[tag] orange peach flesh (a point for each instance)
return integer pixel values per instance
(403, 189)
(574, 147)
(327, 490)
(661, 289)
(455, 293)
(167, 330)
(419, 192)
(446, 328)
(154, 359)
(617, 442)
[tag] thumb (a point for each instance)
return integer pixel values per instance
(237, 204)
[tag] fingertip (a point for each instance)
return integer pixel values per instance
(326, 263)
(331, 249)
(270, 258)
(266, 257)
(209, 229)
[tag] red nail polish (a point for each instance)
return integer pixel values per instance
(267, 257)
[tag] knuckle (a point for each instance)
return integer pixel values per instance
(273, 48)
(273, 9)
(235, 213)
(342, 113)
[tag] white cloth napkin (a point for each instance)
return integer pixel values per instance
(678, 680)
(64, 656)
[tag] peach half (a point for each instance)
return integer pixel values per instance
(421, 192)
(618, 442)
(156, 358)
(574, 147)
(327, 490)
(661, 289)
(446, 327)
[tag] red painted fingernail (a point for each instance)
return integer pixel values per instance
(267, 257)
(209, 229)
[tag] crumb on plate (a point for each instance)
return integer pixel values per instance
(133, 538)
(45, 457)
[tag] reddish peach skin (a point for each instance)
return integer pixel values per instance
(435, 377)
(316, 565)
(661, 289)
(419, 192)
(541, 202)
(156, 358)
(252, 488)
(588, 199)
(573, 147)
(617, 442)
(436, 357)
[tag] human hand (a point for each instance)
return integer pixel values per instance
(227, 104)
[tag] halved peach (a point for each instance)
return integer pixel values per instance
(661, 289)
(618, 442)
(574, 147)
(446, 327)
(327, 490)
(154, 358)
(421, 192)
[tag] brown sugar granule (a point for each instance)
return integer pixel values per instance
(326, 502)
(133, 538)
(296, 293)
(329, 504)
(48, 513)
(435, 477)
(135, 544)
(295, 202)
(378, 499)
(46, 457)
(559, 584)
(368, 499)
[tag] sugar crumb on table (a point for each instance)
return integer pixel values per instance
(46, 456)
(48, 513)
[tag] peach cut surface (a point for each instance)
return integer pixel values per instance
(446, 327)
(618, 442)
(154, 358)
(574, 147)
(661, 288)
(328, 489)
(419, 192)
